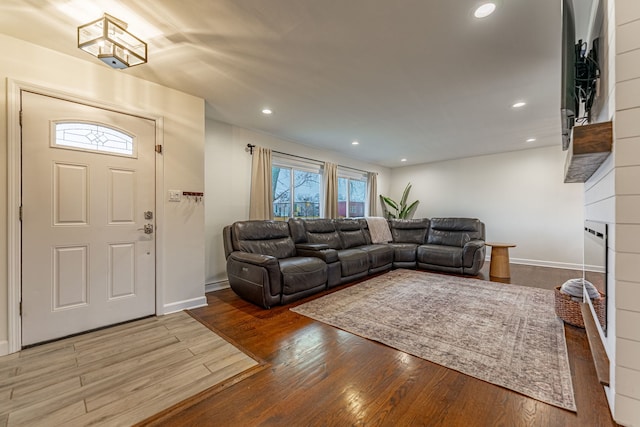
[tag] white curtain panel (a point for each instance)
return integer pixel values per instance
(331, 200)
(261, 185)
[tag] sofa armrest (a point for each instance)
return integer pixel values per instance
(470, 251)
(257, 259)
(255, 277)
(321, 251)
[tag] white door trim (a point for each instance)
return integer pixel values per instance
(14, 200)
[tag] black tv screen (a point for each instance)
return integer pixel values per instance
(569, 104)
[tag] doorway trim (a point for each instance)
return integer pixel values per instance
(14, 196)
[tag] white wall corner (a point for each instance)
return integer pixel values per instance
(184, 305)
(4, 348)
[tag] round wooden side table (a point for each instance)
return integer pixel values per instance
(500, 259)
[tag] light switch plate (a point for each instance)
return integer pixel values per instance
(175, 195)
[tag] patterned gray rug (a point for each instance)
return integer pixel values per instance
(503, 334)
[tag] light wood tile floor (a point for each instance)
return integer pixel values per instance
(119, 375)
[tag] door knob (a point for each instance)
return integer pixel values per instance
(148, 229)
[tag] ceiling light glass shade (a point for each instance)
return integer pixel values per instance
(485, 10)
(108, 40)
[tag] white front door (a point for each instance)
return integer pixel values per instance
(88, 193)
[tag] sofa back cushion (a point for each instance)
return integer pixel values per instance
(351, 233)
(454, 231)
(409, 230)
(263, 237)
(322, 231)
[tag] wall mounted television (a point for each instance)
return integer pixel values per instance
(583, 66)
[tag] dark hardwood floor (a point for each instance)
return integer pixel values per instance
(317, 375)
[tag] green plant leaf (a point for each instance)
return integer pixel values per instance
(401, 209)
(390, 202)
(405, 194)
(409, 210)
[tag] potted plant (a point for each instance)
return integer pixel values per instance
(400, 210)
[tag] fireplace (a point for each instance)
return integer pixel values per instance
(595, 261)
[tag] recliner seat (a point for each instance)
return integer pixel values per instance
(454, 245)
(263, 266)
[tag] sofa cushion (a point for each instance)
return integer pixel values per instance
(471, 226)
(351, 233)
(409, 230)
(352, 239)
(379, 255)
(446, 256)
(322, 231)
(448, 238)
(353, 261)
(404, 252)
(263, 237)
(302, 273)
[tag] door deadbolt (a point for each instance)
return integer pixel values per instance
(148, 215)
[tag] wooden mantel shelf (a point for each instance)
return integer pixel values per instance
(590, 146)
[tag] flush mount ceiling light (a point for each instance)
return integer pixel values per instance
(108, 40)
(519, 104)
(531, 140)
(403, 160)
(267, 111)
(484, 10)
(355, 143)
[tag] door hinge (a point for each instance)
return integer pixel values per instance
(20, 308)
(20, 213)
(20, 118)
(159, 149)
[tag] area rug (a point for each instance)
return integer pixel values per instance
(507, 335)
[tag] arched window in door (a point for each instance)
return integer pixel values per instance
(93, 137)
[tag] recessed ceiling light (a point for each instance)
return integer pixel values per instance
(531, 140)
(519, 104)
(484, 10)
(267, 111)
(355, 143)
(403, 160)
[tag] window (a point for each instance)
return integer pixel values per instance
(296, 189)
(93, 137)
(352, 194)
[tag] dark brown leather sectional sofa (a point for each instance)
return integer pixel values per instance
(276, 262)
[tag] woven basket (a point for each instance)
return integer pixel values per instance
(569, 310)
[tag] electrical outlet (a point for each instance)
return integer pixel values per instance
(175, 195)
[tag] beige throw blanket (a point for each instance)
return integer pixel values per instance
(379, 229)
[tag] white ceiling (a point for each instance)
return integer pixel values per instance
(416, 79)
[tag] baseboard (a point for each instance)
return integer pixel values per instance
(4, 348)
(185, 305)
(539, 263)
(216, 286)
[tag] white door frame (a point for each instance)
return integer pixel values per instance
(14, 198)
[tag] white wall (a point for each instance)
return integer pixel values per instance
(520, 196)
(228, 181)
(626, 316)
(181, 280)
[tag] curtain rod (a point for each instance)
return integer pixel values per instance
(252, 146)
